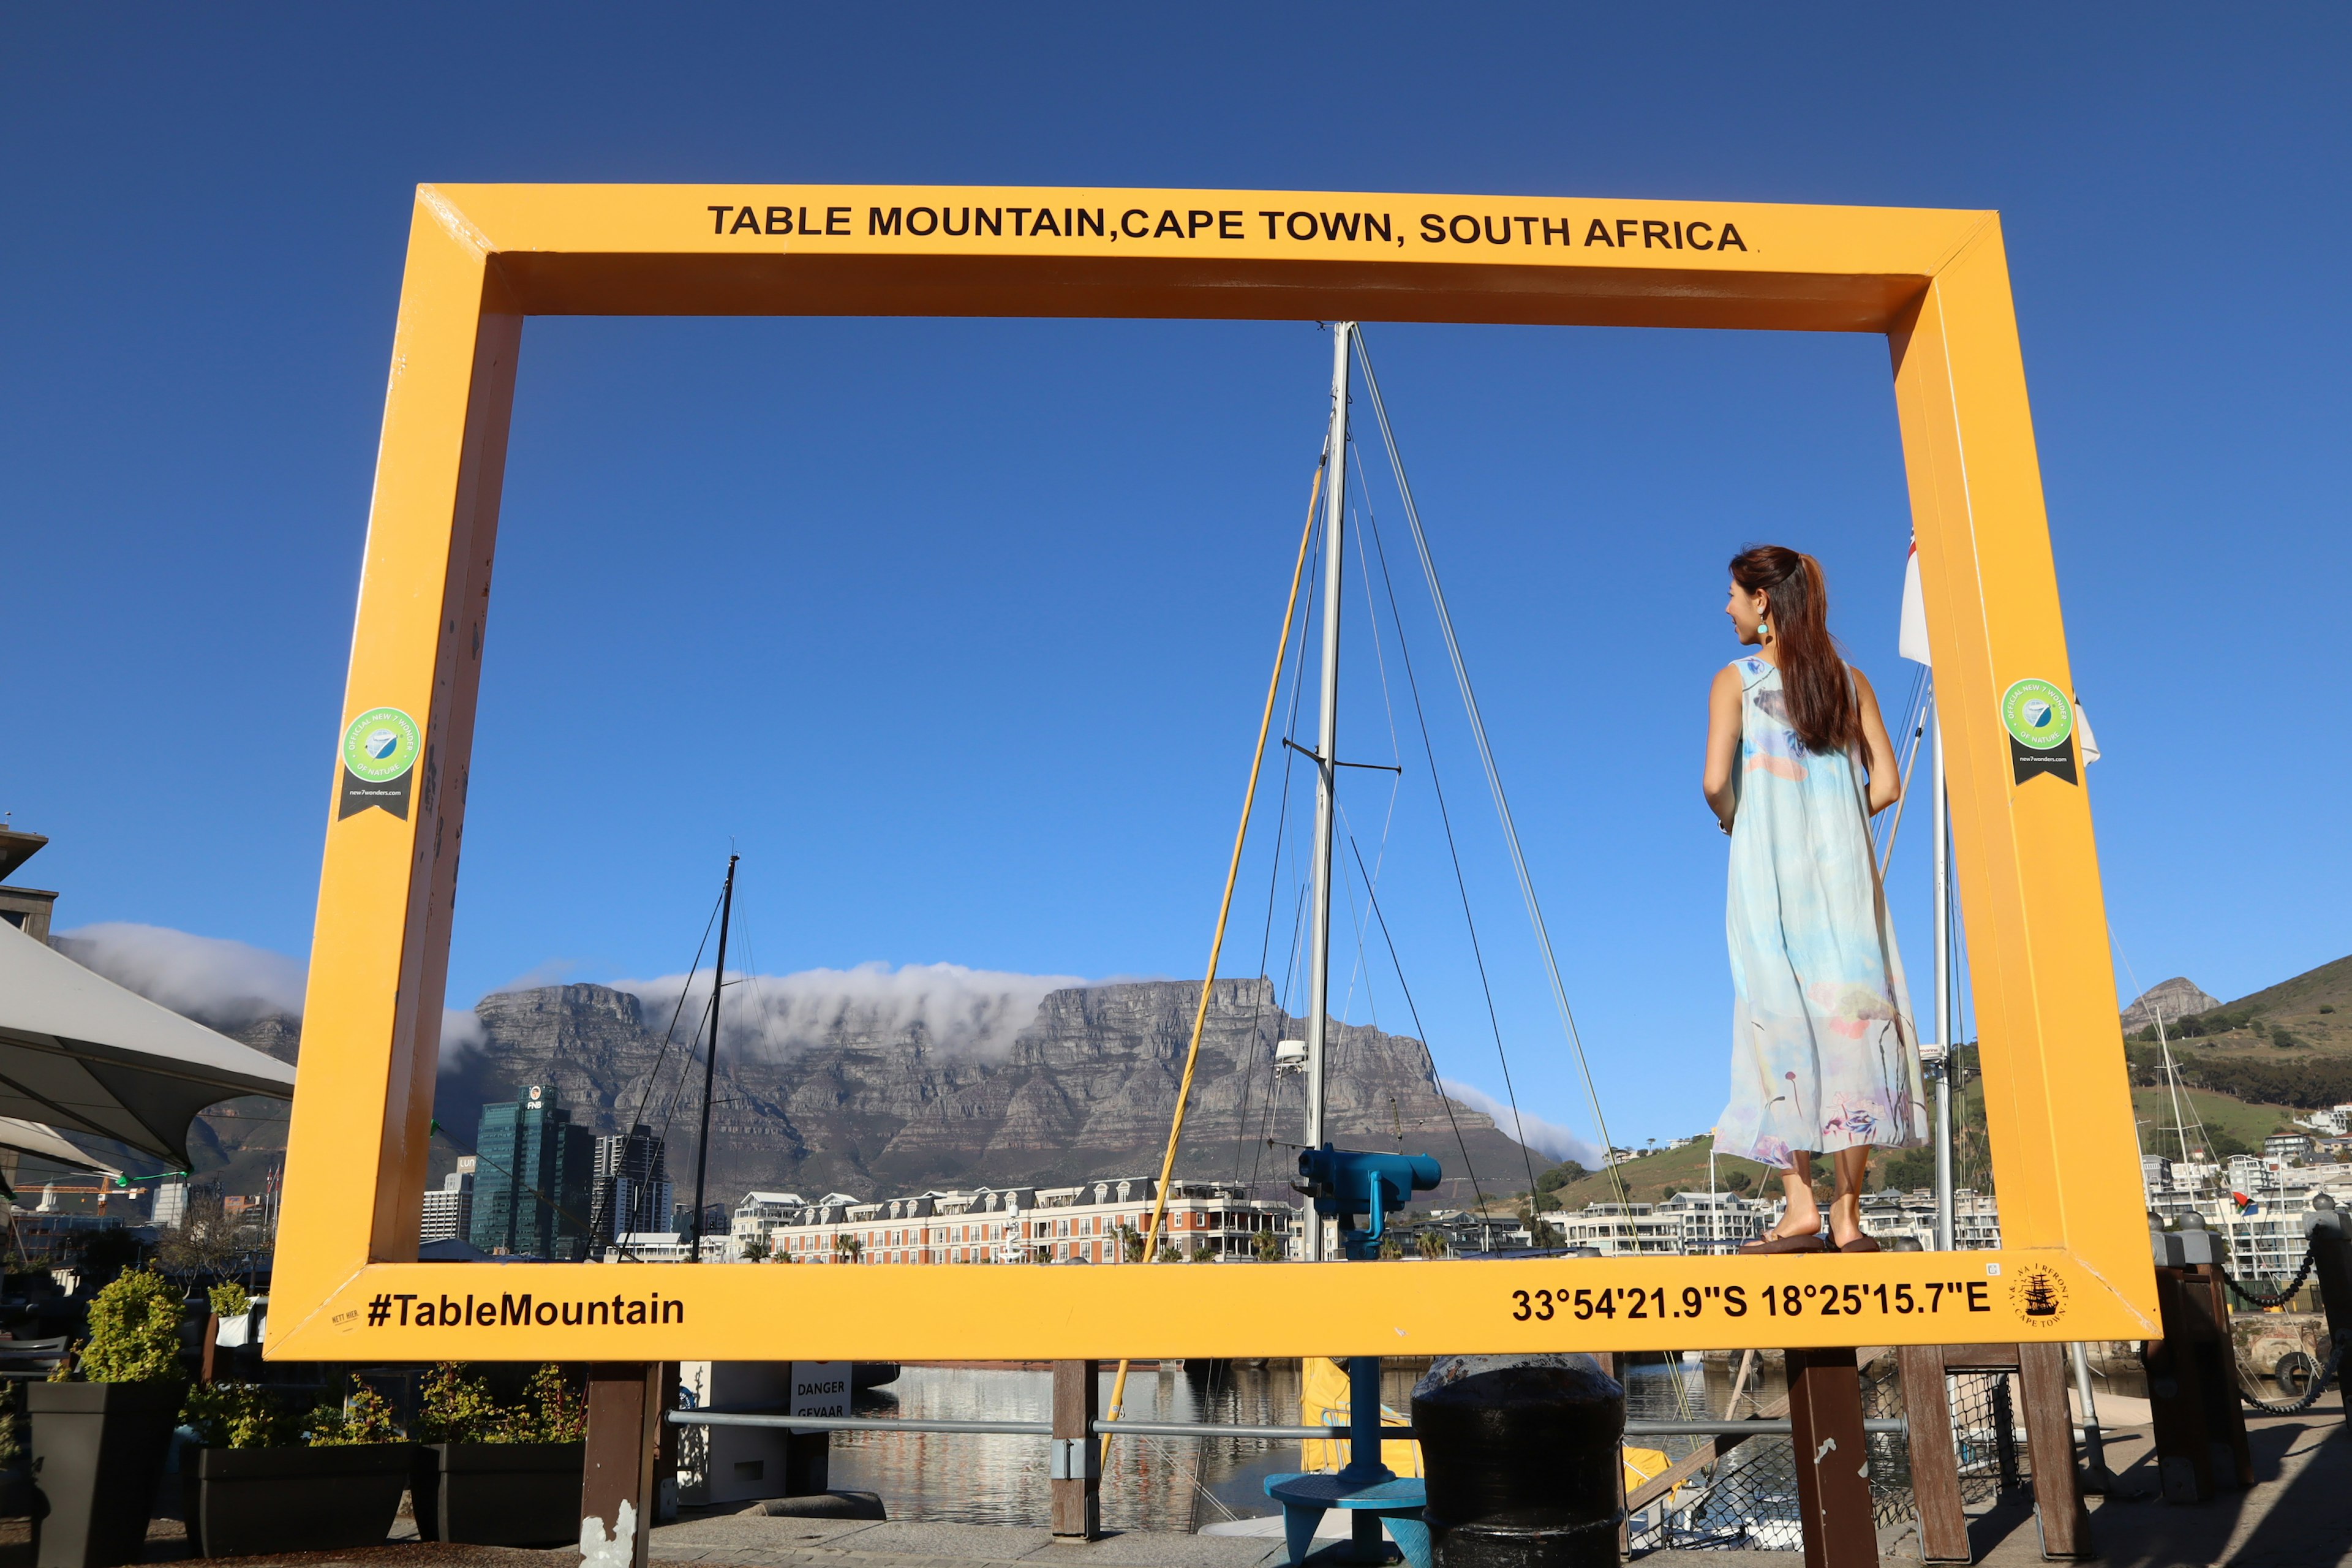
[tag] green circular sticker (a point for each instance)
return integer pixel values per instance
(2038, 714)
(381, 744)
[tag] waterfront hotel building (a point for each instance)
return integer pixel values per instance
(1084, 1224)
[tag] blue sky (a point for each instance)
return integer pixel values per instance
(957, 629)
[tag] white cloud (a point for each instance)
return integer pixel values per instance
(224, 984)
(974, 1012)
(1547, 1138)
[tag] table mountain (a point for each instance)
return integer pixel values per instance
(1087, 1088)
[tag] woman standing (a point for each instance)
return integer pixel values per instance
(1823, 1057)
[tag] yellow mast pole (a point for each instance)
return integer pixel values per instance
(1225, 910)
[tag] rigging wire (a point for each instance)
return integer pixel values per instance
(1469, 1169)
(1445, 817)
(1915, 719)
(1273, 886)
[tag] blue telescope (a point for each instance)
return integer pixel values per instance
(1345, 1183)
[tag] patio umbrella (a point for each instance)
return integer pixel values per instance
(79, 1053)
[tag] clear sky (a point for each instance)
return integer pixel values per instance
(958, 629)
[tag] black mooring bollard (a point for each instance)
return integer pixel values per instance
(1521, 1460)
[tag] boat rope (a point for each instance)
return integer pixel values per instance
(1493, 787)
(1225, 910)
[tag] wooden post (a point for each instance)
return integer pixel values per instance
(616, 1485)
(1833, 1459)
(1935, 1462)
(2199, 1425)
(1076, 1468)
(2050, 1447)
(2040, 1370)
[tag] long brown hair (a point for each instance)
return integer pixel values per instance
(1822, 706)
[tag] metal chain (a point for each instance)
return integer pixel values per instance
(2256, 1299)
(2310, 1396)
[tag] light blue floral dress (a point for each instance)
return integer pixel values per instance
(1823, 1054)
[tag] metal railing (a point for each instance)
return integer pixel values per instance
(771, 1417)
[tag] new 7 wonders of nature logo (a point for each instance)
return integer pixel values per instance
(381, 744)
(2037, 714)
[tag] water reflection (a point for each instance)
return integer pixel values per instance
(1148, 1483)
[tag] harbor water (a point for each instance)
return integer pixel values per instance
(1148, 1483)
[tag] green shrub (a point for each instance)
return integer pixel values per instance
(552, 1411)
(229, 1299)
(134, 1331)
(365, 1418)
(456, 1408)
(240, 1416)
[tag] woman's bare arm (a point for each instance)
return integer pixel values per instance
(1722, 744)
(1885, 776)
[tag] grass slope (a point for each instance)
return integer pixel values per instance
(2230, 1119)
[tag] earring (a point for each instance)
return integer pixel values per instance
(1764, 630)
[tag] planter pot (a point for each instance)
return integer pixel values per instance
(499, 1494)
(245, 1501)
(97, 1452)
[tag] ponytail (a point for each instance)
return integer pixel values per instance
(1822, 706)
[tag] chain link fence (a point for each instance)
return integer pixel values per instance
(1747, 1499)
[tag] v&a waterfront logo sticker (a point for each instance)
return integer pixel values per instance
(2038, 1294)
(380, 752)
(2040, 719)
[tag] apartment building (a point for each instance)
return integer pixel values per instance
(1214, 1221)
(1687, 1225)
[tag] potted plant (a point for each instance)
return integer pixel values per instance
(102, 1422)
(494, 1474)
(266, 1480)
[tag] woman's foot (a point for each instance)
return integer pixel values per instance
(1770, 1242)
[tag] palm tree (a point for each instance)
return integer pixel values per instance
(849, 1248)
(1432, 1244)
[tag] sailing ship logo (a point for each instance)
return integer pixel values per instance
(2038, 1294)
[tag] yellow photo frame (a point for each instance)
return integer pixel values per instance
(2074, 1263)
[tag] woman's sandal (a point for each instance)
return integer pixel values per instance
(1768, 1244)
(1859, 1244)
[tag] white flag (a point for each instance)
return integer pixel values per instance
(1913, 643)
(2083, 729)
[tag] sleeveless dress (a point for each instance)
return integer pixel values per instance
(1822, 1052)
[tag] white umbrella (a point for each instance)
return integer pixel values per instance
(79, 1053)
(33, 1138)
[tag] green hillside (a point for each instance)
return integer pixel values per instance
(2232, 1126)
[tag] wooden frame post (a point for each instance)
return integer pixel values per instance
(1076, 1468)
(1832, 1458)
(2058, 1508)
(2192, 1387)
(617, 1500)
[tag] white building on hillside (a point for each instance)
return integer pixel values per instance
(1210, 1221)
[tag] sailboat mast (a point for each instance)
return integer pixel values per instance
(1327, 747)
(710, 1058)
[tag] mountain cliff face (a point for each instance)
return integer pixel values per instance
(1087, 1089)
